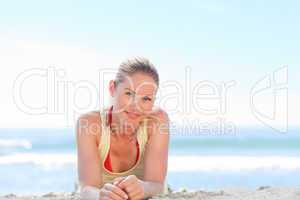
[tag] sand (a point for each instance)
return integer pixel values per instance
(261, 193)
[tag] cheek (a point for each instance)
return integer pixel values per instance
(127, 123)
(146, 106)
(121, 102)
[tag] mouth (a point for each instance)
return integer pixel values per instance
(132, 115)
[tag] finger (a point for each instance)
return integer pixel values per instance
(130, 188)
(116, 190)
(125, 184)
(117, 180)
(127, 181)
(120, 192)
(116, 183)
(136, 194)
(112, 196)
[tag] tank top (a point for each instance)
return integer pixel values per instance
(103, 148)
(107, 162)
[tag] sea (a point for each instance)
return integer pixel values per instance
(35, 161)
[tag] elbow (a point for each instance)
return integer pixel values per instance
(89, 192)
(163, 189)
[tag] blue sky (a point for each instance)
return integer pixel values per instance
(220, 40)
(263, 34)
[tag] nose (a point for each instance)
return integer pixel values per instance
(134, 106)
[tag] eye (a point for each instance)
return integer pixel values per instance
(128, 93)
(146, 99)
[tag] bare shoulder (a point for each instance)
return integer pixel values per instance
(89, 124)
(92, 117)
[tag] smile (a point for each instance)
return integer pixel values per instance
(132, 115)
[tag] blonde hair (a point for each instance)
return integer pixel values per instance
(135, 65)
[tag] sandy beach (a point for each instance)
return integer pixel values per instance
(261, 193)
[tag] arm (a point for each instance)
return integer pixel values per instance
(156, 154)
(88, 133)
(156, 160)
(89, 171)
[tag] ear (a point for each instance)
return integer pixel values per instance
(112, 88)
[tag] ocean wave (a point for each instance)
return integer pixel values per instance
(232, 163)
(46, 161)
(175, 163)
(13, 143)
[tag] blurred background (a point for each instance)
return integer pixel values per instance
(228, 71)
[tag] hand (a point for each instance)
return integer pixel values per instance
(132, 186)
(118, 180)
(159, 121)
(112, 192)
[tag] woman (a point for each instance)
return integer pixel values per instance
(123, 149)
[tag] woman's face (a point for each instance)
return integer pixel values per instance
(133, 99)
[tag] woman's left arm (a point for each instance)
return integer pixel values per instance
(155, 158)
(156, 154)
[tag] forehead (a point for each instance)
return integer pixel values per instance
(140, 83)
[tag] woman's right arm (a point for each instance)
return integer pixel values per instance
(88, 131)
